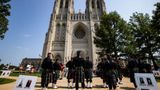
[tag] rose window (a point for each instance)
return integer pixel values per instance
(79, 33)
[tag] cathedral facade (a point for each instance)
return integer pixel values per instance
(70, 32)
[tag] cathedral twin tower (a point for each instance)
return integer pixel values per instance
(70, 32)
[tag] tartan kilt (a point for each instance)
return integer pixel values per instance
(102, 74)
(79, 74)
(88, 73)
(70, 74)
(56, 75)
(47, 76)
(111, 78)
(120, 76)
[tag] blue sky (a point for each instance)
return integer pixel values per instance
(29, 22)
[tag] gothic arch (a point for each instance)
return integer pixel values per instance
(80, 43)
(58, 56)
(80, 24)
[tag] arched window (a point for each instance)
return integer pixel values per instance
(98, 6)
(63, 24)
(95, 26)
(61, 4)
(57, 31)
(58, 26)
(63, 31)
(92, 4)
(66, 5)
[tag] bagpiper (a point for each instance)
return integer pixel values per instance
(110, 73)
(56, 72)
(78, 63)
(71, 70)
(101, 71)
(47, 72)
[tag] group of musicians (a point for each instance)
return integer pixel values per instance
(81, 70)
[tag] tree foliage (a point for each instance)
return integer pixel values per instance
(156, 22)
(144, 36)
(4, 12)
(140, 37)
(111, 34)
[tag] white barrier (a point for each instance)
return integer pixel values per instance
(25, 83)
(145, 81)
(156, 73)
(5, 73)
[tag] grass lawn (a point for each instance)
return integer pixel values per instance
(16, 74)
(5, 80)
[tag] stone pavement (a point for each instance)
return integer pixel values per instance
(97, 85)
(62, 84)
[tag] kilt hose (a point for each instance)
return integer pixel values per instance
(88, 75)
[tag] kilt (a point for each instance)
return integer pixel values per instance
(88, 73)
(47, 76)
(120, 76)
(102, 74)
(111, 77)
(70, 74)
(56, 75)
(79, 74)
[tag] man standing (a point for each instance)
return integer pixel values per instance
(110, 73)
(133, 66)
(78, 62)
(47, 71)
(102, 71)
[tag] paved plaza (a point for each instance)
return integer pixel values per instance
(62, 84)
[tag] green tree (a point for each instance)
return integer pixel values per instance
(156, 23)
(144, 36)
(130, 46)
(4, 12)
(111, 34)
(156, 18)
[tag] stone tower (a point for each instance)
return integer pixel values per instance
(70, 32)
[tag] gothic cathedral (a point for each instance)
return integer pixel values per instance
(70, 32)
